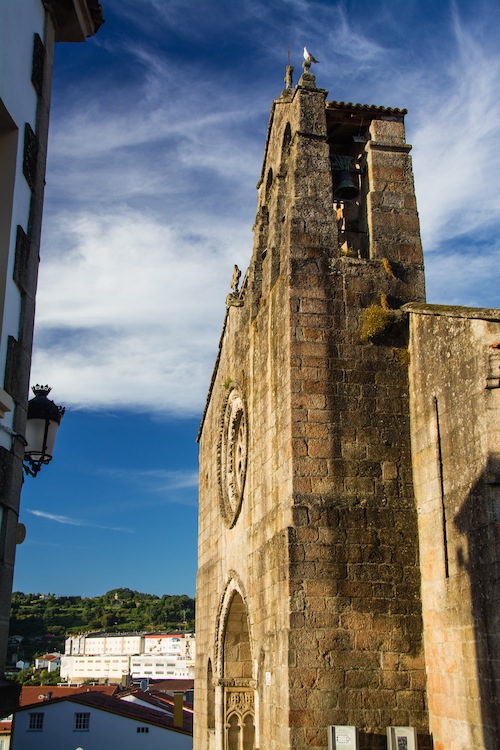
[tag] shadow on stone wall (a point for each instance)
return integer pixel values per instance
(379, 741)
(479, 520)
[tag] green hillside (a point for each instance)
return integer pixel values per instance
(44, 619)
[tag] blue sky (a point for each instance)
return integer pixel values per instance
(157, 134)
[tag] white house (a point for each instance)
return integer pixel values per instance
(97, 721)
(50, 662)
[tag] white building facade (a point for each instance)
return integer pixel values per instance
(28, 32)
(70, 724)
(100, 643)
(95, 667)
(158, 656)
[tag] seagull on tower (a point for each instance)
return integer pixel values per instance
(308, 57)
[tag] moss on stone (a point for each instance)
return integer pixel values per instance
(375, 321)
(402, 355)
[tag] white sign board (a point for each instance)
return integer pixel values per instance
(401, 738)
(342, 738)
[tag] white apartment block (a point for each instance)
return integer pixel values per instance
(111, 656)
(161, 668)
(104, 643)
(101, 667)
(170, 643)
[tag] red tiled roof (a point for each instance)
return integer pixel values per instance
(171, 686)
(146, 697)
(167, 699)
(155, 698)
(40, 693)
(366, 107)
(133, 710)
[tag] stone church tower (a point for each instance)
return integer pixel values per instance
(349, 463)
(308, 590)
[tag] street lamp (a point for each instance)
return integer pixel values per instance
(43, 421)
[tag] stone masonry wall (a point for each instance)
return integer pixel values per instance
(356, 651)
(455, 410)
(324, 550)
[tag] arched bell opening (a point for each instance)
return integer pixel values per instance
(285, 146)
(347, 138)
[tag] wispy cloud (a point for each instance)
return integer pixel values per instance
(151, 183)
(456, 159)
(155, 480)
(171, 480)
(68, 521)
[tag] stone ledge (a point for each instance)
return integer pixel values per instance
(453, 311)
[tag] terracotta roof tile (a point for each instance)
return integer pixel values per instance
(366, 108)
(170, 686)
(133, 710)
(31, 695)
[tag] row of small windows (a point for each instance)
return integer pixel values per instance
(151, 664)
(82, 722)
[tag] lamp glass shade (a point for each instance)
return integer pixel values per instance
(41, 437)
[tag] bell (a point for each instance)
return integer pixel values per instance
(346, 190)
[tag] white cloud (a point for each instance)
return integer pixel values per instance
(68, 521)
(170, 480)
(131, 315)
(154, 480)
(456, 158)
(151, 186)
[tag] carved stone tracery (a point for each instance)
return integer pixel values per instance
(240, 726)
(240, 701)
(232, 455)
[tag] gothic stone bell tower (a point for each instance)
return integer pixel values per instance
(308, 589)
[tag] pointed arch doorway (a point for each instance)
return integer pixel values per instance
(237, 694)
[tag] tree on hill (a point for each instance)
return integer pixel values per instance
(30, 677)
(39, 617)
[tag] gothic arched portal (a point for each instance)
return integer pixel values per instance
(236, 674)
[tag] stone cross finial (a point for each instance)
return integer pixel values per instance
(288, 76)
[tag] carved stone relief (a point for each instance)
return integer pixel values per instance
(232, 455)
